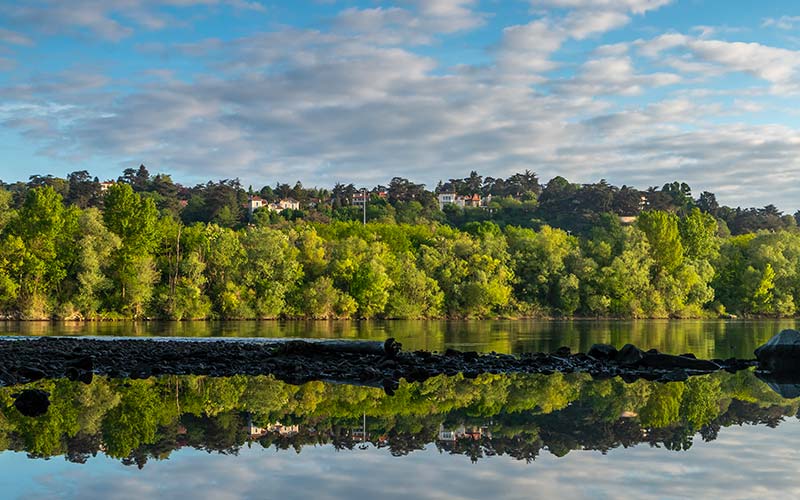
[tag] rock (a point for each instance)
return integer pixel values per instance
(563, 351)
(82, 363)
(30, 373)
(781, 354)
(32, 402)
(676, 376)
(391, 348)
(77, 374)
(629, 355)
(602, 351)
(471, 356)
(667, 361)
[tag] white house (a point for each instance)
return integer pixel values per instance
(448, 198)
(254, 203)
(285, 204)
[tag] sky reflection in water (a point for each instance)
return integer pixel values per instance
(739, 464)
(204, 445)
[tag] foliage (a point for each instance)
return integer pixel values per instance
(148, 247)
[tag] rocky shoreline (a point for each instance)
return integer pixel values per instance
(381, 364)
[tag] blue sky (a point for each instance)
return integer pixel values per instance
(641, 92)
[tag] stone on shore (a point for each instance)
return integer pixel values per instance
(781, 354)
(629, 355)
(668, 361)
(603, 352)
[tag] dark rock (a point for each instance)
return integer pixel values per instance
(781, 353)
(30, 373)
(602, 351)
(451, 353)
(388, 363)
(76, 374)
(470, 356)
(82, 363)
(391, 348)
(652, 351)
(629, 355)
(688, 355)
(563, 351)
(667, 361)
(32, 402)
(676, 376)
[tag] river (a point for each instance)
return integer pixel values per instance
(497, 436)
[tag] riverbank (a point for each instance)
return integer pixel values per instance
(298, 361)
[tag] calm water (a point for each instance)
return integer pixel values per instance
(707, 339)
(498, 436)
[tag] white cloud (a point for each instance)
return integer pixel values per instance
(583, 23)
(14, 38)
(424, 20)
(777, 66)
(634, 6)
(449, 16)
(613, 75)
(783, 22)
(108, 19)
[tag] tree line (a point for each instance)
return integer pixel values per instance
(519, 200)
(128, 254)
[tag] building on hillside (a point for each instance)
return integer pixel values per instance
(285, 204)
(105, 185)
(254, 203)
(447, 199)
(474, 200)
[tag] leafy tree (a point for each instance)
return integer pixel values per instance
(134, 220)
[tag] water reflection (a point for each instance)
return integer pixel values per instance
(519, 416)
(707, 339)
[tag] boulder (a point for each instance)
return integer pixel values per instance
(603, 351)
(32, 402)
(629, 355)
(781, 354)
(563, 352)
(668, 361)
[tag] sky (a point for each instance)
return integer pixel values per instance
(637, 92)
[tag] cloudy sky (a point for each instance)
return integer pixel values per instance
(641, 92)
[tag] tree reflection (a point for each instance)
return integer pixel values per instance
(519, 416)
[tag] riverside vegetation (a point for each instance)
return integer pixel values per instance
(149, 248)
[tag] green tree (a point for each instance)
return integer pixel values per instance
(135, 221)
